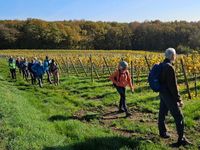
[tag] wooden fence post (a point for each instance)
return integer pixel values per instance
(107, 65)
(132, 77)
(64, 63)
(67, 65)
(195, 83)
(103, 69)
(95, 70)
(186, 80)
(148, 65)
(195, 76)
(82, 66)
(74, 67)
(59, 66)
(91, 69)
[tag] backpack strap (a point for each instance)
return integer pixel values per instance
(120, 74)
(162, 67)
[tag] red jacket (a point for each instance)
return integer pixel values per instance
(121, 79)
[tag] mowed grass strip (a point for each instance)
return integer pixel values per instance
(70, 116)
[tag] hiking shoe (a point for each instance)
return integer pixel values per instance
(182, 142)
(128, 114)
(120, 111)
(165, 135)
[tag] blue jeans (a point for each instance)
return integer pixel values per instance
(122, 93)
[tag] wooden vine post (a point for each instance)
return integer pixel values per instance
(195, 76)
(67, 62)
(186, 80)
(147, 62)
(74, 67)
(105, 61)
(82, 67)
(132, 77)
(94, 68)
(91, 69)
(59, 66)
(63, 61)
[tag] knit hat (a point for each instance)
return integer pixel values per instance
(123, 64)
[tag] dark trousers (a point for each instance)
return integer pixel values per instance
(167, 103)
(48, 76)
(25, 74)
(40, 80)
(122, 93)
(13, 73)
(33, 78)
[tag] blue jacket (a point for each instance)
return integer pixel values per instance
(38, 69)
(46, 65)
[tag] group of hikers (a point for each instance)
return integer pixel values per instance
(162, 79)
(35, 69)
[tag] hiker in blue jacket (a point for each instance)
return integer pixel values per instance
(38, 70)
(33, 79)
(46, 65)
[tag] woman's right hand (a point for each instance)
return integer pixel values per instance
(132, 90)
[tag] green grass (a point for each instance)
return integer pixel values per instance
(72, 116)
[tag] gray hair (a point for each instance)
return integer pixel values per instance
(169, 53)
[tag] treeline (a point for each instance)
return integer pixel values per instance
(152, 35)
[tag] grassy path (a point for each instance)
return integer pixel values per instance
(79, 114)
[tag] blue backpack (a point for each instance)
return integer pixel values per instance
(46, 63)
(154, 77)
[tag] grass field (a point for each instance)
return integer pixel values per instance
(79, 114)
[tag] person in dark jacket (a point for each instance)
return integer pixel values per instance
(38, 70)
(53, 69)
(46, 65)
(24, 68)
(170, 99)
(21, 61)
(18, 64)
(33, 79)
